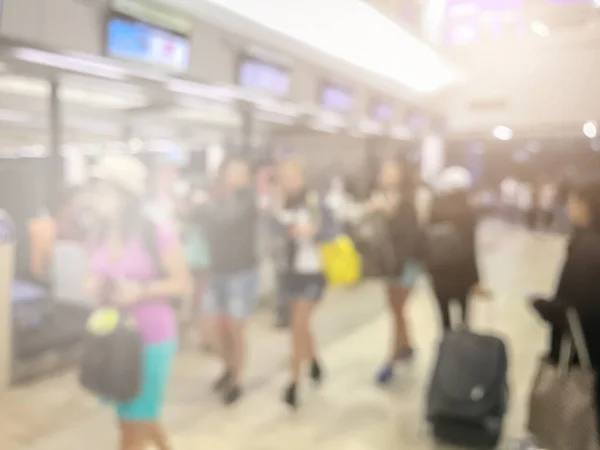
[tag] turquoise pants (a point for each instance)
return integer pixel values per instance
(158, 361)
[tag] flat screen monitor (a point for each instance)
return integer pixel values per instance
(380, 110)
(336, 97)
(254, 73)
(130, 39)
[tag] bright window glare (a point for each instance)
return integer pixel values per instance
(503, 133)
(590, 130)
(352, 31)
(540, 29)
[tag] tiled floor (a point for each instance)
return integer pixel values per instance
(348, 412)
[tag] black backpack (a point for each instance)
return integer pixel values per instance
(445, 246)
(468, 394)
(112, 362)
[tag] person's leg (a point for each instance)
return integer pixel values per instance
(205, 327)
(221, 332)
(283, 301)
(214, 307)
(400, 347)
(140, 417)
(443, 297)
(133, 436)
(237, 359)
(302, 347)
(464, 302)
(399, 295)
(242, 296)
(158, 435)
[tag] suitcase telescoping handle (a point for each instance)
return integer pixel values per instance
(482, 312)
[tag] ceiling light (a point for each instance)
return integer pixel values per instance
(8, 115)
(319, 126)
(275, 118)
(206, 91)
(401, 132)
(503, 133)
(64, 62)
(590, 130)
(540, 28)
(371, 127)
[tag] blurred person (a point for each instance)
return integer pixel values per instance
(579, 281)
(42, 234)
(337, 197)
(390, 218)
(508, 198)
(139, 280)
(230, 219)
(278, 250)
(525, 204)
(74, 218)
(195, 246)
(450, 245)
(546, 205)
(306, 221)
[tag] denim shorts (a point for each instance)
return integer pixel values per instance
(232, 294)
(307, 287)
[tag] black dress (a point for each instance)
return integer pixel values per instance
(454, 281)
(388, 241)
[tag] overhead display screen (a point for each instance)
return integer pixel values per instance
(381, 110)
(336, 97)
(131, 39)
(470, 21)
(254, 73)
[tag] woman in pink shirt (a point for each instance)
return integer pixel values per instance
(138, 277)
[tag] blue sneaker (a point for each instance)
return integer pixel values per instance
(385, 374)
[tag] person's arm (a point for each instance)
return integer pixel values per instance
(174, 282)
(329, 228)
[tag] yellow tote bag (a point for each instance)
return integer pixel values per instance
(342, 264)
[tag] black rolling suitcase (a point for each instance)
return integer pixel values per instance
(468, 392)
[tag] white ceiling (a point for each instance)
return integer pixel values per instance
(345, 36)
(539, 86)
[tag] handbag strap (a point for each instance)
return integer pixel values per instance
(575, 341)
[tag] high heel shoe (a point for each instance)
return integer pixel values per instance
(290, 396)
(316, 374)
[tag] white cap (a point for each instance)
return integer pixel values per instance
(454, 179)
(125, 171)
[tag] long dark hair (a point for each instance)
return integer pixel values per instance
(219, 181)
(408, 184)
(131, 220)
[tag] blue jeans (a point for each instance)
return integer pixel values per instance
(232, 294)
